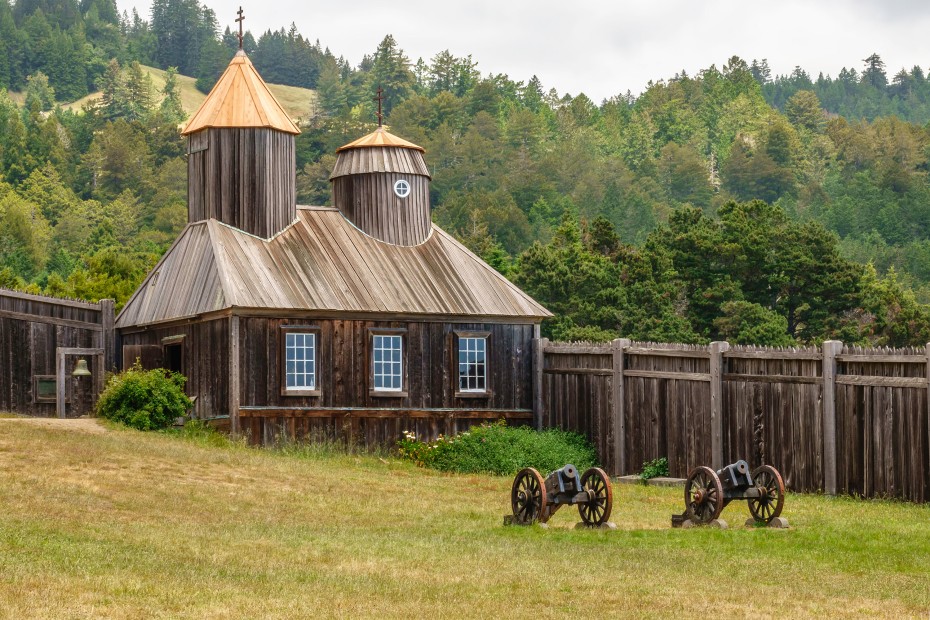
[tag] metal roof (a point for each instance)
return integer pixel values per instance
(322, 262)
(240, 99)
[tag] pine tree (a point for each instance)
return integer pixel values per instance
(114, 101)
(138, 92)
(391, 72)
(874, 73)
(171, 110)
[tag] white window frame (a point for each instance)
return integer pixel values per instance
(379, 361)
(465, 340)
(290, 347)
(402, 188)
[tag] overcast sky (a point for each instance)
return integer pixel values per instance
(606, 48)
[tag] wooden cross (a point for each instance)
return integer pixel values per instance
(379, 99)
(240, 20)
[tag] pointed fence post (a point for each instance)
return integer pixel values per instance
(927, 350)
(234, 375)
(539, 350)
(617, 401)
(107, 336)
(831, 348)
(717, 350)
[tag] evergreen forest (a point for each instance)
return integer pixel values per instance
(731, 204)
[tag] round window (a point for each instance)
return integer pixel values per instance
(402, 188)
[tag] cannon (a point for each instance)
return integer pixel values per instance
(707, 492)
(536, 500)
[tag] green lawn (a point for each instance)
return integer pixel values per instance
(130, 525)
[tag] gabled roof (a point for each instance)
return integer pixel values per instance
(322, 263)
(380, 137)
(240, 99)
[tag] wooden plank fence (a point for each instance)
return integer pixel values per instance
(40, 340)
(830, 418)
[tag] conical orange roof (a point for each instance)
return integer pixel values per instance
(241, 99)
(380, 137)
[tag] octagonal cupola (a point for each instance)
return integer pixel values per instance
(241, 163)
(381, 185)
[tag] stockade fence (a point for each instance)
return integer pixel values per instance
(40, 340)
(833, 418)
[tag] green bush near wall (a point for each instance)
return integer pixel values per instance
(500, 449)
(147, 400)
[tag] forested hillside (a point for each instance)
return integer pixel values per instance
(722, 205)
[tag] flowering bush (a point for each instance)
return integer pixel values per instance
(499, 449)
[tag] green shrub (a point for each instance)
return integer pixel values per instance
(654, 469)
(500, 449)
(146, 400)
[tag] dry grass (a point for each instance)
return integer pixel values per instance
(296, 101)
(132, 525)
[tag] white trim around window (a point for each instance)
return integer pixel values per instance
(471, 362)
(387, 362)
(300, 357)
(300, 360)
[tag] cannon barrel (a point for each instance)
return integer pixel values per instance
(735, 476)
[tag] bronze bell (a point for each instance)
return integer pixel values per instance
(80, 369)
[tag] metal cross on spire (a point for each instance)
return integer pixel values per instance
(379, 99)
(240, 20)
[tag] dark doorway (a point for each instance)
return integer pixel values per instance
(173, 358)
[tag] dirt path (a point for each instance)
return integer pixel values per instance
(81, 425)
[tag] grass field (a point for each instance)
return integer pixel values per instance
(296, 101)
(129, 525)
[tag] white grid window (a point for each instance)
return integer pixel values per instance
(472, 365)
(387, 358)
(301, 361)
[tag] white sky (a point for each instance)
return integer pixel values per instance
(605, 48)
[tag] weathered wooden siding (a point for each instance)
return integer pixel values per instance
(883, 445)
(346, 405)
(205, 360)
(773, 412)
(32, 327)
(370, 159)
(243, 177)
(577, 382)
(773, 408)
(369, 202)
(667, 406)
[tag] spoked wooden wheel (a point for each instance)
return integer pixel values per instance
(703, 495)
(771, 494)
(528, 497)
(597, 484)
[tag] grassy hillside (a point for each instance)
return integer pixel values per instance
(127, 525)
(296, 101)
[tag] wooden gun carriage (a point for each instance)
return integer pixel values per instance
(708, 492)
(536, 500)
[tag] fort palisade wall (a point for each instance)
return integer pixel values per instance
(33, 330)
(833, 418)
